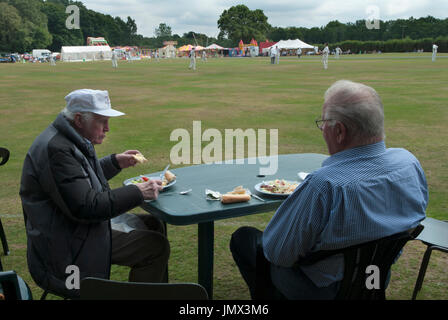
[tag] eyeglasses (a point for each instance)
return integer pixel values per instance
(320, 122)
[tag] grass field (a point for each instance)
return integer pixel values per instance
(230, 93)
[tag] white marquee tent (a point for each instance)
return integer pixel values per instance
(290, 44)
(214, 47)
(85, 53)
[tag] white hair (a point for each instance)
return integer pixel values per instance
(358, 107)
(70, 116)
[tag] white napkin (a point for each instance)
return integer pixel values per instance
(303, 175)
(212, 195)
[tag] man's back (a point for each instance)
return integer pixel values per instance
(358, 195)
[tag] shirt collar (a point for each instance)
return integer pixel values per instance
(357, 152)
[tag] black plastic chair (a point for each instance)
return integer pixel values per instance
(381, 253)
(4, 155)
(435, 237)
(102, 289)
(12, 287)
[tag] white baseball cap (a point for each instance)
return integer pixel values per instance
(88, 100)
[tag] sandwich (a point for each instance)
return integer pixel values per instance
(140, 158)
(234, 198)
(169, 176)
(236, 195)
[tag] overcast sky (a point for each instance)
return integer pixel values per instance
(202, 15)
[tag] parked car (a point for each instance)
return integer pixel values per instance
(7, 57)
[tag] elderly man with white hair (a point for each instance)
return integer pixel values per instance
(68, 204)
(363, 192)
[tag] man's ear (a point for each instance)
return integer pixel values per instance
(341, 133)
(78, 121)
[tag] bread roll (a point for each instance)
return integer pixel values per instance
(233, 198)
(169, 176)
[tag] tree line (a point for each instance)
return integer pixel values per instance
(31, 24)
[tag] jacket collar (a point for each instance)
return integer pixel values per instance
(64, 126)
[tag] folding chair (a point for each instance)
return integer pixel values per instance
(103, 289)
(12, 287)
(435, 237)
(4, 156)
(381, 253)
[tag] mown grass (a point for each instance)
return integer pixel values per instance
(229, 93)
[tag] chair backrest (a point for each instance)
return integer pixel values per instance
(4, 155)
(12, 287)
(380, 253)
(102, 289)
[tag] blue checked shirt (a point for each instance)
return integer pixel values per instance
(358, 195)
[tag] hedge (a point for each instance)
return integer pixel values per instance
(395, 45)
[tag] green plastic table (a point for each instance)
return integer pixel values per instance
(194, 208)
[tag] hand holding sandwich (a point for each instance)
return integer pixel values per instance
(130, 158)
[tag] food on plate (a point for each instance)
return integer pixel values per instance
(279, 186)
(140, 158)
(233, 198)
(167, 179)
(140, 180)
(169, 176)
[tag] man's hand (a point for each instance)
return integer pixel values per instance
(150, 189)
(126, 159)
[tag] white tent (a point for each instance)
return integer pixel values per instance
(85, 53)
(290, 44)
(168, 51)
(214, 47)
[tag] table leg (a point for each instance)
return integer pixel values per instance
(205, 256)
(165, 277)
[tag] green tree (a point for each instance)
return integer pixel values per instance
(11, 32)
(62, 36)
(34, 24)
(132, 26)
(163, 31)
(241, 23)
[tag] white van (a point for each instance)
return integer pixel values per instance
(41, 53)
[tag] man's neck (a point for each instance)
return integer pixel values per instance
(356, 144)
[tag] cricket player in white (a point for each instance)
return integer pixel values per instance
(277, 55)
(272, 54)
(337, 52)
(204, 56)
(114, 59)
(299, 53)
(192, 59)
(325, 53)
(434, 52)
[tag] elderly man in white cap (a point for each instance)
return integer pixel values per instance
(68, 204)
